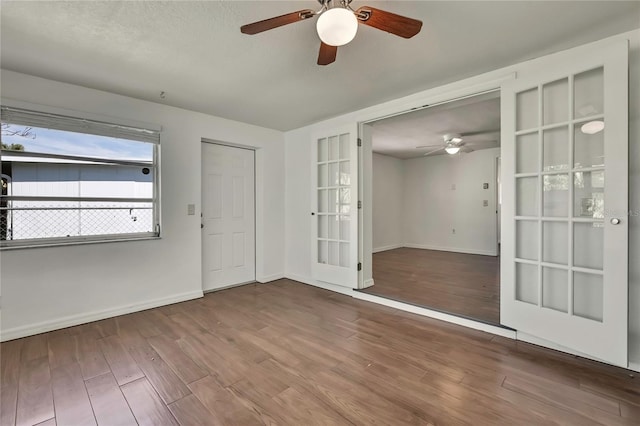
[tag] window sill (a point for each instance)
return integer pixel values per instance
(31, 244)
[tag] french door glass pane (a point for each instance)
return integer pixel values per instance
(334, 148)
(587, 295)
(527, 153)
(323, 255)
(344, 147)
(345, 174)
(589, 93)
(588, 150)
(323, 204)
(556, 149)
(322, 227)
(322, 176)
(555, 98)
(555, 242)
(345, 222)
(334, 227)
(588, 190)
(556, 195)
(527, 283)
(555, 294)
(334, 174)
(527, 239)
(527, 109)
(588, 243)
(527, 196)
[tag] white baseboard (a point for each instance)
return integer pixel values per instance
(435, 314)
(368, 283)
(269, 278)
(451, 249)
(389, 247)
(316, 283)
(635, 366)
(69, 321)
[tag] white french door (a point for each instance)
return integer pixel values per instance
(334, 207)
(565, 185)
(228, 216)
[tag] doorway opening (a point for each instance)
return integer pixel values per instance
(436, 207)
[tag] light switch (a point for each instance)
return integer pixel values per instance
(485, 186)
(485, 203)
(191, 209)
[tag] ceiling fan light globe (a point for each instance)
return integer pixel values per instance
(337, 27)
(452, 149)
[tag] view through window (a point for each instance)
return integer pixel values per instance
(67, 179)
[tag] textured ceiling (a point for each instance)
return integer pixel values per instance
(194, 51)
(416, 133)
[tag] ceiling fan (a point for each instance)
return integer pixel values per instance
(337, 25)
(452, 144)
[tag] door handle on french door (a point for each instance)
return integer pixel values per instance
(201, 225)
(313, 214)
(615, 221)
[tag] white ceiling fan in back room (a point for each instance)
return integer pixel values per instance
(453, 143)
(337, 25)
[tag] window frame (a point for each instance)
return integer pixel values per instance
(105, 123)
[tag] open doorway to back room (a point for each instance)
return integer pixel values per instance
(436, 207)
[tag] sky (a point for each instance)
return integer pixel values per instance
(70, 143)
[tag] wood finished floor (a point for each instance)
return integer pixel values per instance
(457, 283)
(286, 353)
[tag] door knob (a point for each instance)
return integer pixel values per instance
(615, 221)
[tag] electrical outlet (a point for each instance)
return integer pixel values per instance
(191, 209)
(485, 203)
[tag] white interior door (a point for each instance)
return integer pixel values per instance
(228, 216)
(334, 207)
(565, 187)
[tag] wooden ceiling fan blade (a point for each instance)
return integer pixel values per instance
(389, 22)
(327, 54)
(278, 21)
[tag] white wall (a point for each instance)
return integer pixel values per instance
(45, 288)
(298, 146)
(433, 209)
(388, 199)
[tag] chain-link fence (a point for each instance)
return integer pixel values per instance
(32, 220)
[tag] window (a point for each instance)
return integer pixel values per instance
(68, 179)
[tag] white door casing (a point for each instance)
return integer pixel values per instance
(334, 206)
(564, 269)
(228, 216)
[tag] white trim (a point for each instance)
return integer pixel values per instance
(69, 321)
(476, 325)
(452, 249)
(389, 247)
(368, 283)
(635, 366)
(269, 278)
(327, 286)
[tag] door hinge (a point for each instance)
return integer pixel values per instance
(359, 266)
(359, 204)
(359, 142)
